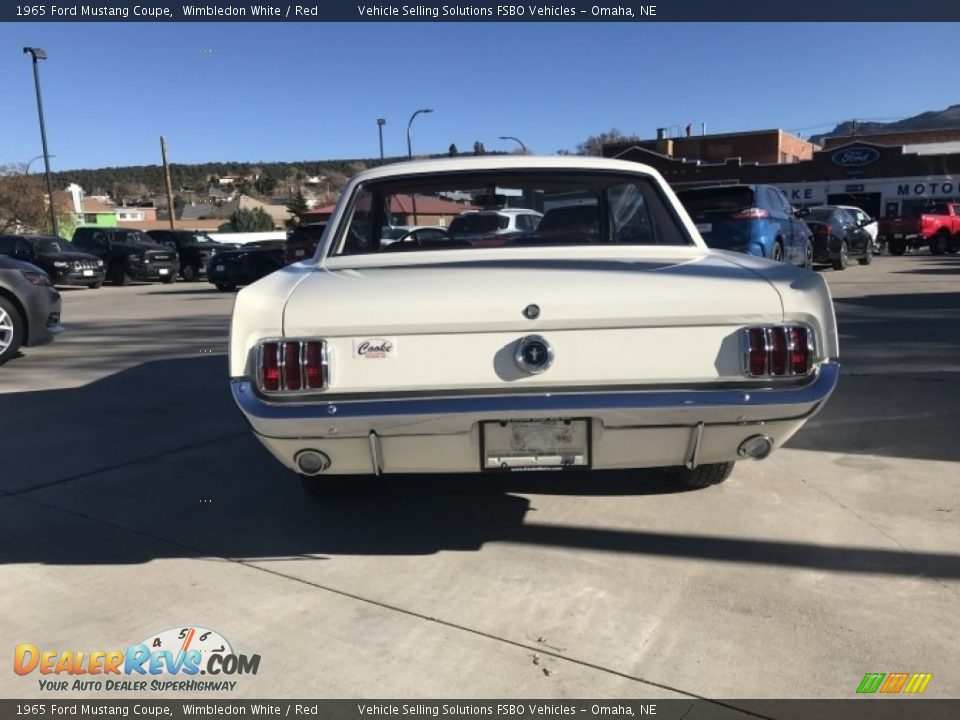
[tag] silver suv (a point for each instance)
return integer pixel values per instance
(494, 225)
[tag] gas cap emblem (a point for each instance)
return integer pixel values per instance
(533, 354)
(531, 312)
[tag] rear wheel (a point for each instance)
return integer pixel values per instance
(867, 256)
(939, 243)
(118, 275)
(808, 255)
(703, 475)
(11, 330)
(191, 273)
(777, 252)
(954, 244)
(897, 247)
(844, 258)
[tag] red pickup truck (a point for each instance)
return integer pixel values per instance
(935, 225)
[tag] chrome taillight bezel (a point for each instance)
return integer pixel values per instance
(768, 334)
(302, 350)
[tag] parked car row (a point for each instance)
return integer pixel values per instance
(759, 220)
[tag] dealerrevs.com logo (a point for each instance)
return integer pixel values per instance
(169, 660)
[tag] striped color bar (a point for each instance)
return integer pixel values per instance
(893, 683)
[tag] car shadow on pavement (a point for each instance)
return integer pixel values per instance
(155, 462)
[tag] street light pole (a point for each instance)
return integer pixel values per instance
(32, 161)
(413, 197)
(409, 123)
(516, 140)
(380, 123)
(39, 54)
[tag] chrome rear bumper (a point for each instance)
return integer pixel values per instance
(322, 417)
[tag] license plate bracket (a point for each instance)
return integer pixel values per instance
(535, 444)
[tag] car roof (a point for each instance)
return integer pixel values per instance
(498, 162)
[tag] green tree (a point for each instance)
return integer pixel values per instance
(265, 184)
(255, 220)
(478, 148)
(452, 152)
(297, 205)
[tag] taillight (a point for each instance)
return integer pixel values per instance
(823, 229)
(777, 351)
(750, 214)
(291, 366)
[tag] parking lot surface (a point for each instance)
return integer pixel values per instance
(133, 499)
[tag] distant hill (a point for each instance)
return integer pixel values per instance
(932, 120)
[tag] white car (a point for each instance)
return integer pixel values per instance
(633, 347)
(494, 227)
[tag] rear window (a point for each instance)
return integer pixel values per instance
(938, 209)
(477, 223)
(611, 208)
(820, 214)
(718, 199)
(131, 236)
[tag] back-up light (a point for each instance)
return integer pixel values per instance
(777, 351)
(292, 366)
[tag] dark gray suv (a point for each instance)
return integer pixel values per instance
(29, 307)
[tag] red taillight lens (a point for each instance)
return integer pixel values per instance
(314, 367)
(777, 351)
(757, 351)
(750, 214)
(291, 366)
(270, 366)
(821, 230)
(799, 350)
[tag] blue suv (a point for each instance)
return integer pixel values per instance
(752, 219)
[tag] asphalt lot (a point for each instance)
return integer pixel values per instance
(133, 499)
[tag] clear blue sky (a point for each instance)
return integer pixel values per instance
(313, 91)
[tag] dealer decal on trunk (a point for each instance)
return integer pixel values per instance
(374, 348)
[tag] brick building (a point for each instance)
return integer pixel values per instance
(760, 146)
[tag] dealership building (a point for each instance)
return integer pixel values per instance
(885, 174)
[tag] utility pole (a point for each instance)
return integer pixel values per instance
(171, 210)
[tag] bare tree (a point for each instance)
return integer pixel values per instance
(23, 201)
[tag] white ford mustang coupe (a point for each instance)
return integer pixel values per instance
(603, 335)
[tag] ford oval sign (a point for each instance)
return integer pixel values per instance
(855, 156)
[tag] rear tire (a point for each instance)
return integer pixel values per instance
(841, 262)
(704, 475)
(11, 330)
(939, 243)
(777, 255)
(867, 256)
(808, 256)
(118, 275)
(191, 273)
(897, 247)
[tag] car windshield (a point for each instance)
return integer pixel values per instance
(133, 236)
(716, 199)
(49, 246)
(820, 214)
(201, 239)
(614, 208)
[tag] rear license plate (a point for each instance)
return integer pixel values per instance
(220, 268)
(704, 227)
(299, 253)
(164, 271)
(535, 444)
(88, 273)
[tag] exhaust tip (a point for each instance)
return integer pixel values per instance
(756, 447)
(311, 462)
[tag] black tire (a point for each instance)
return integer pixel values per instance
(867, 256)
(808, 256)
(939, 243)
(777, 254)
(191, 273)
(118, 275)
(841, 262)
(11, 330)
(226, 287)
(897, 247)
(954, 245)
(703, 475)
(331, 486)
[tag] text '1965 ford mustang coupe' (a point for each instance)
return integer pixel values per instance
(604, 334)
